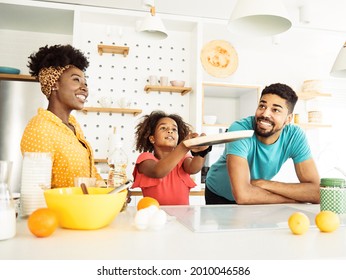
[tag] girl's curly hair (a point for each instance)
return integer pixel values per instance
(57, 55)
(147, 127)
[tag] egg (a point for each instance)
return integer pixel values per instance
(158, 220)
(151, 209)
(143, 217)
(151, 217)
(141, 220)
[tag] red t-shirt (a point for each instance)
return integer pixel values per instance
(172, 189)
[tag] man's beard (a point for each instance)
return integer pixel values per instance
(265, 134)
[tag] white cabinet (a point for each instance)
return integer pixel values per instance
(23, 29)
(228, 102)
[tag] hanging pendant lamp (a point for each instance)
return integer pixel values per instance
(259, 18)
(152, 26)
(339, 67)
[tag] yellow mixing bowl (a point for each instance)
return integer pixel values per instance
(76, 210)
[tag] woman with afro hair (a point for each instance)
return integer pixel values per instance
(164, 166)
(60, 71)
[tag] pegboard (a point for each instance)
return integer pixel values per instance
(116, 76)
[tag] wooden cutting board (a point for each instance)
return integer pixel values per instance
(220, 138)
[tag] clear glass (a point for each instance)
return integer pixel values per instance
(7, 206)
(117, 162)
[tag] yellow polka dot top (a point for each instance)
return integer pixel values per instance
(72, 154)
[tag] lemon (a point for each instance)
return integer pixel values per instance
(327, 221)
(298, 223)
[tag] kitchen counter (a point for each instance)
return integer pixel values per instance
(121, 240)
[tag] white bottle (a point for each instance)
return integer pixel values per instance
(7, 207)
(117, 162)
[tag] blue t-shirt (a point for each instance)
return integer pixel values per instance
(264, 160)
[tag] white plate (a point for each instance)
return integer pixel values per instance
(220, 138)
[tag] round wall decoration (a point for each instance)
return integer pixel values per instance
(219, 58)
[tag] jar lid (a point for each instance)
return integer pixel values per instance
(332, 182)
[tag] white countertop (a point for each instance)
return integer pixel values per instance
(121, 240)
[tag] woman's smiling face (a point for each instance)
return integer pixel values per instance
(72, 88)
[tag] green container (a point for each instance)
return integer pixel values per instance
(333, 195)
(333, 182)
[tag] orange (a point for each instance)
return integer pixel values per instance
(146, 202)
(42, 222)
(298, 223)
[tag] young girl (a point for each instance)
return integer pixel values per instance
(164, 166)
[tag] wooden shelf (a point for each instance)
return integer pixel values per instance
(182, 90)
(100, 160)
(135, 112)
(113, 49)
(313, 125)
(17, 77)
(306, 95)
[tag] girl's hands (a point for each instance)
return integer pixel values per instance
(197, 148)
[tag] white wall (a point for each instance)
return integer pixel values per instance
(116, 76)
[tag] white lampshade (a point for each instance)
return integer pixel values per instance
(339, 67)
(259, 18)
(152, 25)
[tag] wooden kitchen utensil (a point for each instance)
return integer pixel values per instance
(220, 138)
(84, 188)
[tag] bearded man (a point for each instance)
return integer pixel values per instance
(243, 173)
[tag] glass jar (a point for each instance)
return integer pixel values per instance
(333, 195)
(117, 163)
(7, 206)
